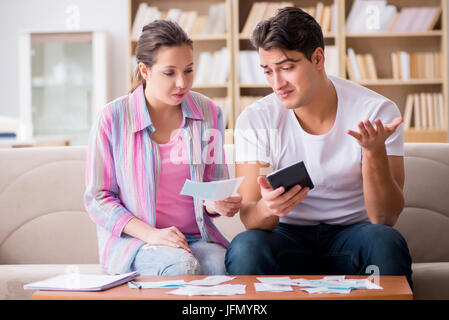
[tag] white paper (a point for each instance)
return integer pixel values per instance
(213, 191)
(270, 287)
(334, 278)
(156, 284)
(276, 280)
(210, 281)
(326, 290)
(335, 284)
(220, 290)
(81, 282)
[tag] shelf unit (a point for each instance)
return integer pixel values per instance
(380, 45)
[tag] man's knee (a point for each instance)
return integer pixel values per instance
(246, 244)
(385, 239)
(248, 252)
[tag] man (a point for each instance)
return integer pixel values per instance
(351, 141)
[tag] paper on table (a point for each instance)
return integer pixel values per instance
(210, 281)
(214, 190)
(156, 284)
(220, 290)
(271, 287)
(277, 280)
(326, 290)
(81, 282)
(336, 283)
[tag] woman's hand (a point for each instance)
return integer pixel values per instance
(227, 207)
(171, 237)
(372, 139)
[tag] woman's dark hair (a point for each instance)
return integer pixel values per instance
(155, 35)
(290, 29)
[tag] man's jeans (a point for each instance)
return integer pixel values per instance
(207, 259)
(321, 249)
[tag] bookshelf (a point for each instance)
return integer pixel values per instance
(380, 45)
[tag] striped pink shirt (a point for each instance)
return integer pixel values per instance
(123, 169)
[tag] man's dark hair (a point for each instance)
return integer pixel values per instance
(290, 29)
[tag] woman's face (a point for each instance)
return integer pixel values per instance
(171, 76)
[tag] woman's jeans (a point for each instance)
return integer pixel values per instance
(160, 260)
(357, 249)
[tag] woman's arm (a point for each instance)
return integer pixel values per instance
(101, 195)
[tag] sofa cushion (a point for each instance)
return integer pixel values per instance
(14, 277)
(424, 223)
(431, 281)
(42, 209)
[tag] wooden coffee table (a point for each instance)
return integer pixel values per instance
(395, 288)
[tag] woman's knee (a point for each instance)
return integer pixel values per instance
(166, 261)
(184, 264)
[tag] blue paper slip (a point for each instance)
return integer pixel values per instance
(156, 284)
(214, 190)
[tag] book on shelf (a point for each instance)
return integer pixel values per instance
(365, 16)
(371, 16)
(331, 62)
(250, 71)
(416, 65)
(416, 112)
(396, 65)
(216, 23)
(408, 110)
(352, 62)
(424, 111)
(404, 62)
(360, 66)
(213, 68)
(192, 23)
(261, 11)
(416, 19)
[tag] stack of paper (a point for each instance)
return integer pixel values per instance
(207, 286)
(210, 281)
(220, 290)
(331, 284)
(156, 284)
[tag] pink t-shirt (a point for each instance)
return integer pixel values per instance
(173, 208)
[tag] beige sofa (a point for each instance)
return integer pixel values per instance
(45, 230)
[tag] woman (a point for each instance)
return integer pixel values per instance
(142, 148)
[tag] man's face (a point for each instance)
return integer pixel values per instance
(292, 76)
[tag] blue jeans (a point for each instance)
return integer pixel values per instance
(321, 249)
(160, 260)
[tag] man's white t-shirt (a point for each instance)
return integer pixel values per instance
(268, 132)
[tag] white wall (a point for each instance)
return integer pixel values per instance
(50, 16)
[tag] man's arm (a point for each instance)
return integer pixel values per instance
(261, 205)
(383, 181)
(383, 176)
